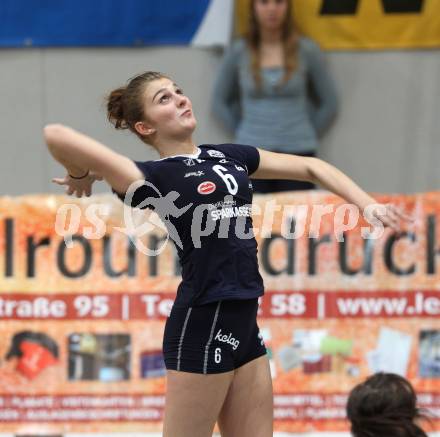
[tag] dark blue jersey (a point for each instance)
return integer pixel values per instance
(205, 201)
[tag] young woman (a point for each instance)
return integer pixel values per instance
(217, 368)
(273, 88)
(385, 405)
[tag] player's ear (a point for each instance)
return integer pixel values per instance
(144, 129)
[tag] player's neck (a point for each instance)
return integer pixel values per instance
(270, 36)
(176, 147)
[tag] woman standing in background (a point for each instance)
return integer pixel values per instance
(262, 91)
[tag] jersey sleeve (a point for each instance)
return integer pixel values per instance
(246, 155)
(142, 191)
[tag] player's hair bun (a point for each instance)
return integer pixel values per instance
(115, 108)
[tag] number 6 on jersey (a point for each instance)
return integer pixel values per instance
(228, 179)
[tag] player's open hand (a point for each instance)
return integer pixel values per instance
(389, 215)
(79, 187)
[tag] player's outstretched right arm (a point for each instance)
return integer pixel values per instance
(80, 154)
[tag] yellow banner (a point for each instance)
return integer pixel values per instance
(363, 24)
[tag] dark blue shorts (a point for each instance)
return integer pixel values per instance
(213, 338)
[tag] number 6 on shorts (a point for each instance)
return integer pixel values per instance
(218, 355)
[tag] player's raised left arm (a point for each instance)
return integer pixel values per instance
(284, 166)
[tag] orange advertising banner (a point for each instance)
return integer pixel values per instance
(82, 310)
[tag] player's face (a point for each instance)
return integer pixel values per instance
(270, 13)
(168, 111)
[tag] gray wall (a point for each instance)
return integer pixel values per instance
(386, 136)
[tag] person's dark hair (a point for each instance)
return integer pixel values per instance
(385, 405)
(125, 105)
(290, 38)
(33, 337)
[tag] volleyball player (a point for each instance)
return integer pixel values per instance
(217, 367)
